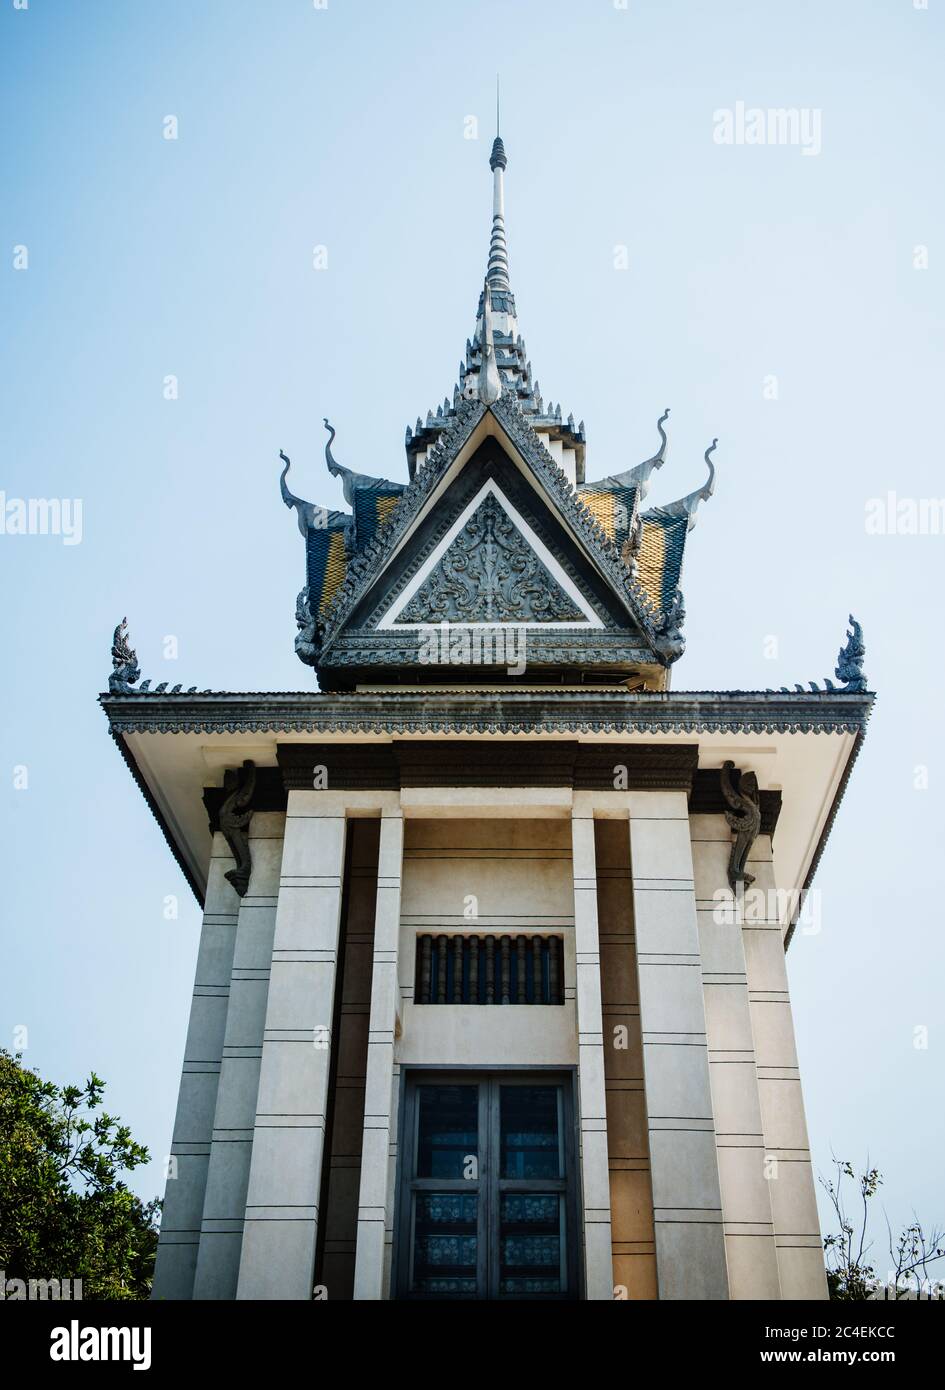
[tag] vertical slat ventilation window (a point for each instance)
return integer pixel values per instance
(489, 969)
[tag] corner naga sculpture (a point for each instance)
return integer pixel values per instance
(235, 816)
(124, 661)
(744, 817)
(669, 640)
(849, 667)
(126, 670)
(307, 641)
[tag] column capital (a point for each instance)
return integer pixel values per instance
(341, 802)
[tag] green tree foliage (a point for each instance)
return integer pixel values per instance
(64, 1211)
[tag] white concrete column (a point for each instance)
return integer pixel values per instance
(375, 1214)
(793, 1195)
(190, 1147)
(221, 1231)
(278, 1253)
(392, 1181)
(687, 1205)
(739, 1137)
(592, 1105)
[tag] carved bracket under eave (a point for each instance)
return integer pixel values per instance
(235, 816)
(744, 817)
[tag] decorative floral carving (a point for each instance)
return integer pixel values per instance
(490, 574)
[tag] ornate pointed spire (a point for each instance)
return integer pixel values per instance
(490, 382)
(498, 271)
(484, 375)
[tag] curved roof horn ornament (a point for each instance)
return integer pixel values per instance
(641, 474)
(310, 516)
(351, 482)
(304, 510)
(334, 468)
(689, 506)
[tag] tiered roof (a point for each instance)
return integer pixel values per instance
(646, 548)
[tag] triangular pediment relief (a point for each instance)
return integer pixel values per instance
(490, 534)
(491, 569)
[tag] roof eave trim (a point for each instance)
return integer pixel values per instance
(425, 710)
(828, 826)
(155, 809)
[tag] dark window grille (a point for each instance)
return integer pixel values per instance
(487, 1176)
(489, 969)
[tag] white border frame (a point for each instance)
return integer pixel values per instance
(388, 622)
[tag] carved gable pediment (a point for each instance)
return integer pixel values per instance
(498, 542)
(491, 568)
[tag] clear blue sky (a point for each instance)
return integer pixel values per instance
(344, 127)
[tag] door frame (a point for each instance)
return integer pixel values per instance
(416, 1075)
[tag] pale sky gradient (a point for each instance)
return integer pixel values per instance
(345, 127)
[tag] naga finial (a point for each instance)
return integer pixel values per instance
(289, 498)
(660, 455)
(709, 485)
(307, 513)
(849, 668)
(641, 474)
(689, 506)
(334, 468)
(124, 662)
(351, 482)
